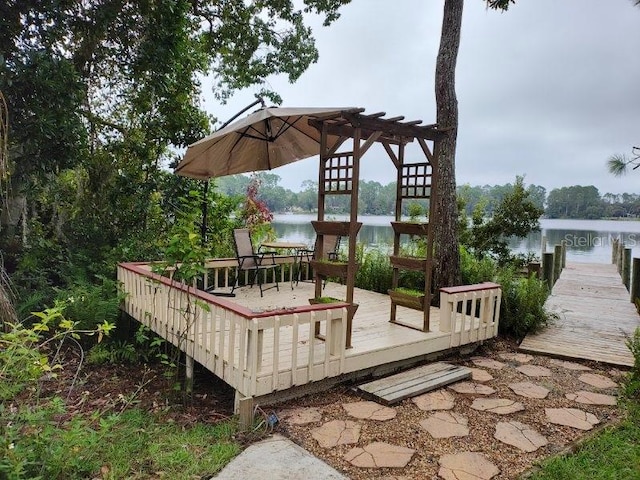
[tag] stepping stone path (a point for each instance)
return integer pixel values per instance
(487, 363)
(571, 417)
(500, 406)
(534, 370)
(591, 398)
(437, 400)
(520, 436)
(569, 365)
(369, 411)
(301, 416)
(470, 388)
(337, 432)
(529, 390)
(598, 381)
(379, 455)
(479, 375)
(516, 357)
(466, 466)
(446, 425)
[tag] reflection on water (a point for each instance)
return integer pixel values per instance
(587, 240)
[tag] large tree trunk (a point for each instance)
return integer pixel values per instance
(446, 237)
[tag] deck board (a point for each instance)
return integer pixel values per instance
(410, 383)
(595, 317)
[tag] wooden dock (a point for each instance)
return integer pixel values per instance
(595, 317)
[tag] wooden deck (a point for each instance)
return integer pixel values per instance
(264, 345)
(595, 316)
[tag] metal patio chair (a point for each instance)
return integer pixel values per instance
(249, 260)
(330, 247)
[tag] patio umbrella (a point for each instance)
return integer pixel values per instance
(266, 139)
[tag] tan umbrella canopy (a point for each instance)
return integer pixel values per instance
(266, 139)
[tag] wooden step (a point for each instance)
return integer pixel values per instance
(395, 388)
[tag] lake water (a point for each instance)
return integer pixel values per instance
(587, 240)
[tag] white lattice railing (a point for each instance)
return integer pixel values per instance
(470, 312)
(255, 352)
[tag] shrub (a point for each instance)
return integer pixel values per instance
(91, 305)
(374, 270)
(523, 301)
(631, 386)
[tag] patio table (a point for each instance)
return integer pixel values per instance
(293, 248)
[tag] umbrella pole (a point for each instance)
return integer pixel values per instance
(205, 206)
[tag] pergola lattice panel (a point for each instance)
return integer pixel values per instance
(338, 173)
(415, 180)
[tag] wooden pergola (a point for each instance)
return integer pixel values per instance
(339, 174)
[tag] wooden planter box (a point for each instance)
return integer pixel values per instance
(418, 264)
(407, 300)
(330, 269)
(410, 228)
(341, 229)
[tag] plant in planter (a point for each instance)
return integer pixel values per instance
(407, 297)
(323, 300)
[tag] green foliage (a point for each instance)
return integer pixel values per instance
(90, 305)
(612, 454)
(514, 216)
(523, 301)
(122, 445)
(374, 270)
(576, 201)
(632, 381)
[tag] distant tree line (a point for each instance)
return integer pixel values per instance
(576, 201)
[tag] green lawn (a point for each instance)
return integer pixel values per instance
(613, 454)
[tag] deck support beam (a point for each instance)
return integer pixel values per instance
(244, 408)
(188, 375)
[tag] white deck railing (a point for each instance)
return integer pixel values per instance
(254, 352)
(470, 312)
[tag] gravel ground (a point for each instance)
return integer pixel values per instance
(405, 430)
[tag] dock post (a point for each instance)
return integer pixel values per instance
(635, 280)
(547, 269)
(533, 268)
(557, 262)
(619, 260)
(543, 245)
(563, 244)
(614, 249)
(626, 267)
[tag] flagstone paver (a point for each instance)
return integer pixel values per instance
(487, 363)
(500, 406)
(534, 370)
(446, 425)
(479, 375)
(529, 390)
(516, 357)
(466, 466)
(369, 411)
(470, 388)
(597, 380)
(592, 398)
(379, 455)
(301, 416)
(569, 365)
(336, 432)
(572, 417)
(520, 435)
(436, 400)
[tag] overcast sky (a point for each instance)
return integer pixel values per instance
(549, 89)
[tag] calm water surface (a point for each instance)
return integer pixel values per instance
(587, 240)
